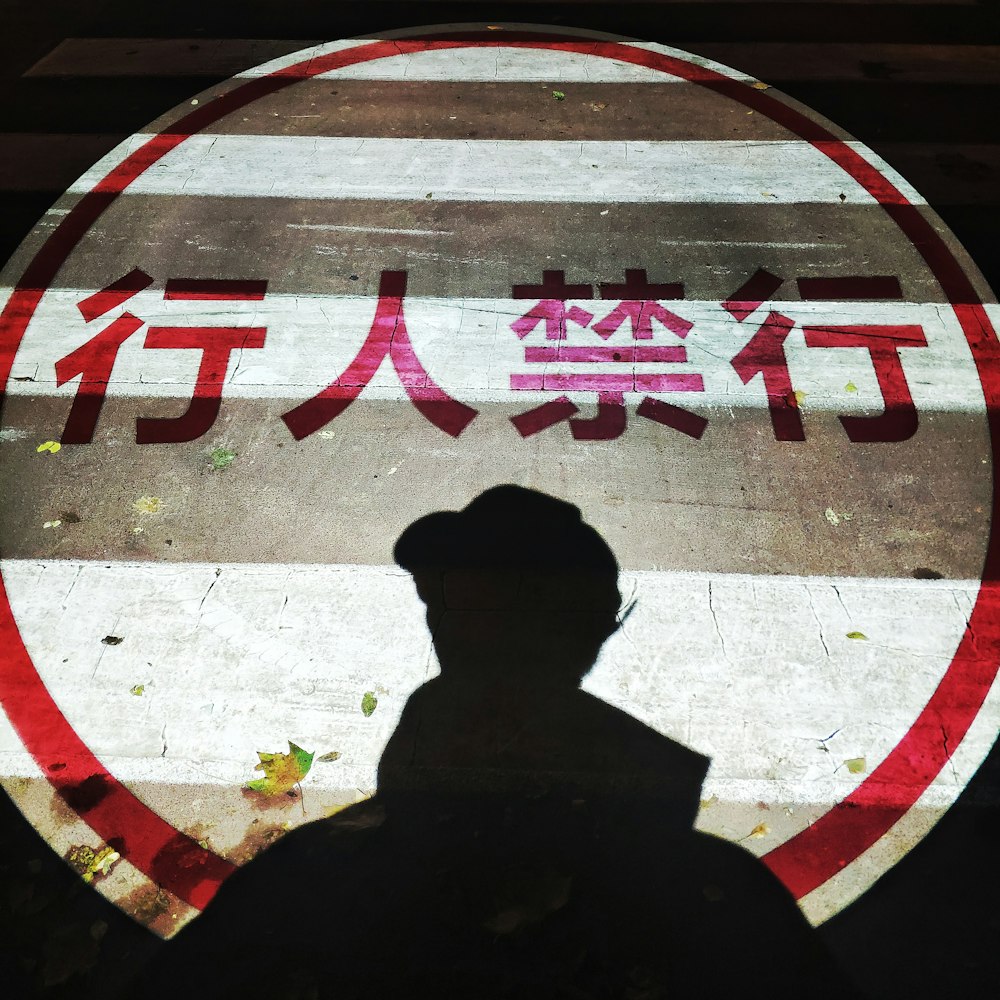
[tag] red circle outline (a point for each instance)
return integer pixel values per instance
(803, 862)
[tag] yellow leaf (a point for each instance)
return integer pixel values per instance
(51, 446)
(800, 397)
(761, 86)
(856, 635)
(148, 505)
(90, 863)
(850, 387)
(760, 830)
(282, 771)
(856, 765)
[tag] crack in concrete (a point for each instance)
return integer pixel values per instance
(201, 605)
(72, 587)
(718, 630)
(840, 600)
(948, 752)
(819, 624)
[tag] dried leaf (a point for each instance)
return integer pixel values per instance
(832, 516)
(92, 864)
(760, 830)
(856, 765)
(856, 635)
(148, 505)
(761, 86)
(598, 106)
(282, 771)
(222, 458)
(113, 640)
(369, 703)
(50, 446)
(329, 757)
(52, 524)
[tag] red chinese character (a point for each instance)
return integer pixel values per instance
(387, 338)
(899, 421)
(610, 386)
(94, 360)
(551, 308)
(764, 354)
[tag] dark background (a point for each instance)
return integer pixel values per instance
(912, 80)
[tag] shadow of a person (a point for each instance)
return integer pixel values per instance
(526, 839)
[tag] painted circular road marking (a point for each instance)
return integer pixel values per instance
(634, 279)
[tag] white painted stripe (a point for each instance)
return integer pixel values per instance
(759, 173)
(388, 230)
(752, 244)
(756, 672)
(469, 349)
(494, 65)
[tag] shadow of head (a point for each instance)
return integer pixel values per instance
(515, 583)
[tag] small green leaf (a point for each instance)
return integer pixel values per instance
(856, 635)
(369, 703)
(856, 765)
(851, 387)
(558, 95)
(222, 458)
(137, 690)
